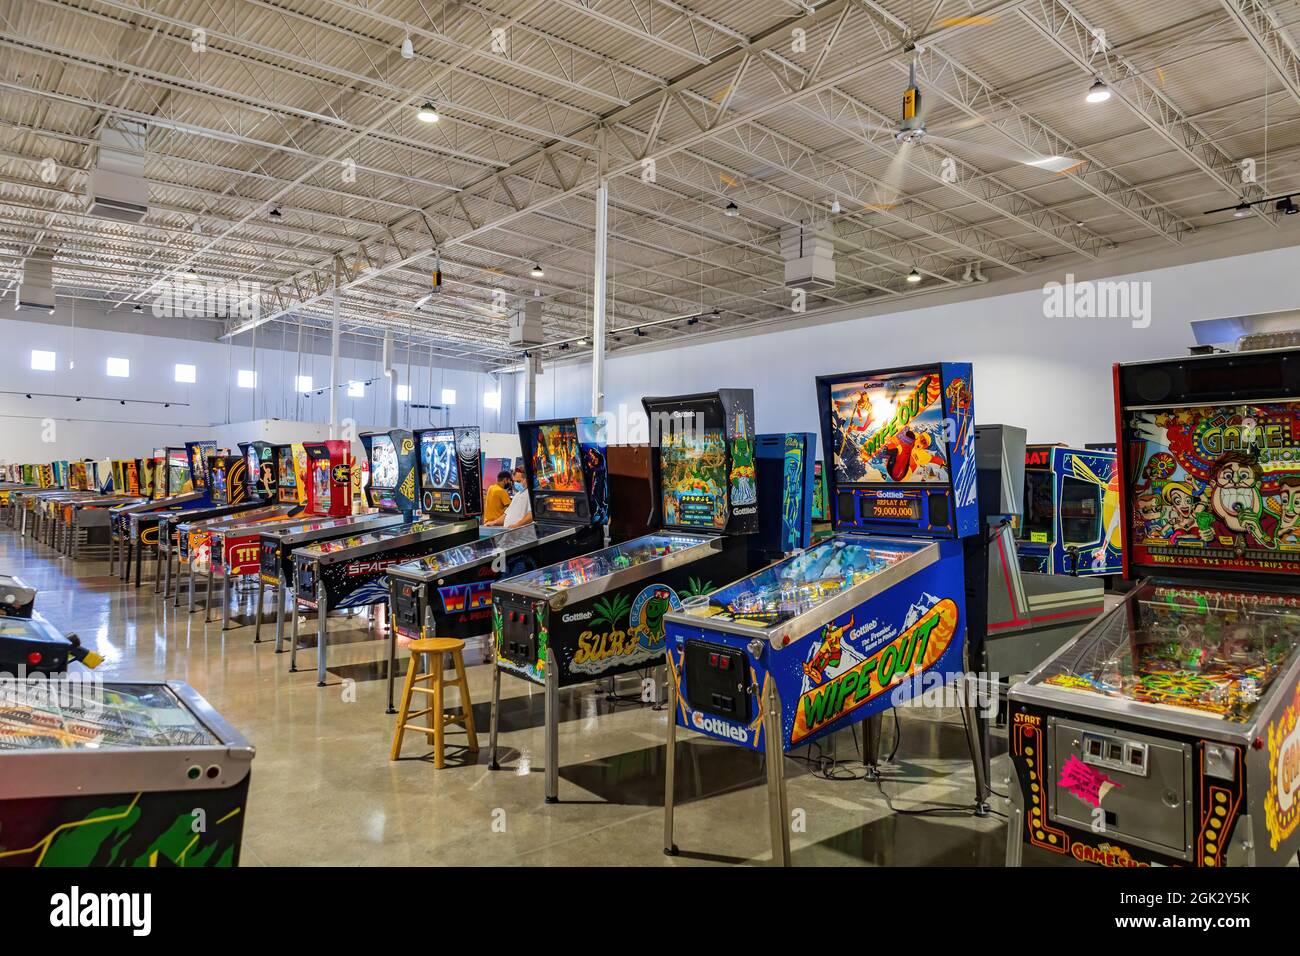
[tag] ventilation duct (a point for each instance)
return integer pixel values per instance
(118, 189)
(36, 291)
(526, 324)
(809, 259)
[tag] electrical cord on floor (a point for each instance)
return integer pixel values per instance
(635, 700)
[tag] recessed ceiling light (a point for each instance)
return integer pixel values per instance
(1099, 92)
(536, 271)
(408, 51)
(914, 277)
(428, 113)
(732, 210)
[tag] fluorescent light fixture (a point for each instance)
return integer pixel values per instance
(246, 378)
(428, 113)
(449, 396)
(302, 383)
(356, 389)
(492, 400)
(186, 374)
(43, 361)
(117, 367)
(1099, 92)
(403, 393)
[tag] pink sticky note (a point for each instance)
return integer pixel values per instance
(1087, 783)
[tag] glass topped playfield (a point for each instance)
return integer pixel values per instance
(88, 717)
(599, 564)
(791, 587)
(1213, 651)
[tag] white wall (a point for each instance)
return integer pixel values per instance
(1050, 376)
(158, 411)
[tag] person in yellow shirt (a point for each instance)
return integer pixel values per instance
(498, 500)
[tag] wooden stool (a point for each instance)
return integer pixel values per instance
(431, 650)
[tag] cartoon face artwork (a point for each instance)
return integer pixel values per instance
(1218, 486)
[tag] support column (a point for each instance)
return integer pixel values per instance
(334, 356)
(598, 301)
(390, 373)
(530, 388)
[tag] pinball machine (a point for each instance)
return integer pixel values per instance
(861, 622)
(602, 614)
(328, 517)
(17, 598)
(233, 489)
(449, 594)
(1168, 731)
(174, 478)
(227, 549)
(352, 572)
(119, 774)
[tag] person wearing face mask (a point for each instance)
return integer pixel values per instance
(520, 511)
(497, 500)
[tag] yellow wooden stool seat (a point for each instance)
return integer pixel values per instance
(430, 651)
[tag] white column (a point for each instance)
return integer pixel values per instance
(598, 301)
(334, 361)
(390, 373)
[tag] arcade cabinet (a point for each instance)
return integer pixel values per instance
(291, 474)
(867, 619)
(1167, 733)
(328, 517)
(353, 572)
(1071, 522)
(602, 614)
(179, 481)
(449, 594)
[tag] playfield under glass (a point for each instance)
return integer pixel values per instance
(599, 564)
(889, 429)
(321, 524)
(369, 537)
(1208, 650)
(461, 555)
(77, 715)
(800, 583)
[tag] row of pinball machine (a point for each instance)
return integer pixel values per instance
(923, 560)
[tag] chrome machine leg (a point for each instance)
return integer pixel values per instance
(778, 811)
(281, 598)
(167, 574)
(321, 628)
(190, 575)
(552, 711)
(158, 563)
(293, 637)
(670, 757)
(494, 718)
(207, 595)
(227, 592)
(257, 620)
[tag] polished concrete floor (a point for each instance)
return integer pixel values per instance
(325, 792)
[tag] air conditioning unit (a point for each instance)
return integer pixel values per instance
(526, 324)
(809, 259)
(36, 291)
(118, 189)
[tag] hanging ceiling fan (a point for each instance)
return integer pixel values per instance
(912, 132)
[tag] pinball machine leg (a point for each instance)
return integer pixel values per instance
(126, 561)
(207, 595)
(190, 574)
(971, 719)
(322, 629)
(167, 575)
(227, 592)
(670, 761)
(157, 565)
(293, 637)
(281, 597)
(778, 813)
(493, 718)
(257, 614)
(871, 742)
(552, 718)
(112, 548)
(139, 561)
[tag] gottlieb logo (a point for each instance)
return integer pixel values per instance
(715, 725)
(577, 616)
(744, 511)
